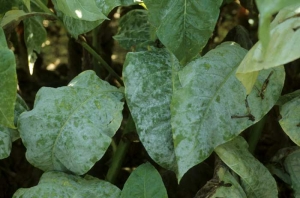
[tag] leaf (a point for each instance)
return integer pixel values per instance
(235, 190)
(209, 95)
(133, 29)
(75, 26)
(70, 128)
(267, 8)
(34, 36)
(291, 164)
(290, 121)
(8, 83)
(144, 182)
(107, 6)
(283, 49)
(287, 97)
(80, 9)
(184, 27)
(7, 135)
(8, 5)
(256, 179)
(13, 17)
(148, 91)
(59, 184)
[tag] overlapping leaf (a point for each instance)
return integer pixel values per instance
(148, 91)
(290, 121)
(59, 184)
(202, 108)
(256, 179)
(184, 27)
(8, 83)
(71, 127)
(291, 164)
(267, 8)
(284, 48)
(144, 182)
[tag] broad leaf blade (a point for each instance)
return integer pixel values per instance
(290, 121)
(8, 83)
(148, 91)
(80, 9)
(209, 95)
(59, 184)
(291, 164)
(285, 41)
(256, 179)
(144, 182)
(184, 27)
(71, 127)
(133, 29)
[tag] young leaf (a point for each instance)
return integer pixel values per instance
(71, 127)
(283, 49)
(144, 182)
(148, 91)
(206, 108)
(133, 29)
(80, 9)
(59, 184)
(256, 179)
(291, 164)
(8, 83)
(266, 9)
(184, 27)
(290, 121)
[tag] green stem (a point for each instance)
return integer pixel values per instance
(100, 59)
(120, 153)
(42, 6)
(255, 134)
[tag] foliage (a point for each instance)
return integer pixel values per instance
(185, 98)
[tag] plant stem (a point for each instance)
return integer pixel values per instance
(120, 153)
(255, 134)
(82, 41)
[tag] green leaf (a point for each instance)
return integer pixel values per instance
(291, 164)
(59, 184)
(144, 182)
(133, 29)
(8, 5)
(75, 26)
(267, 8)
(235, 190)
(184, 27)
(287, 97)
(256, 179)
(8, 83)
(290, 121)
(107, 6)
(71, 127)
(148, 91)
(209, 95)
(34, 36)
(7, 135)
(80, 9)
(283, 49)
